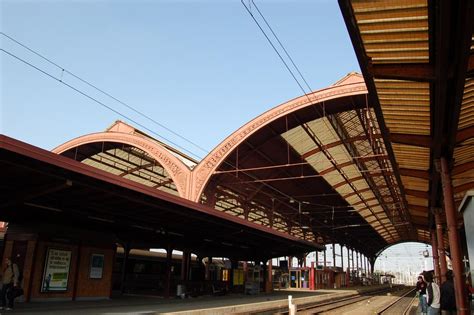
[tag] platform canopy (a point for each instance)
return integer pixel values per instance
(39, 187)
(417, 58)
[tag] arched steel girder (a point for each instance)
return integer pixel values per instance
(176, 169)
(204, 170)
(396, 243)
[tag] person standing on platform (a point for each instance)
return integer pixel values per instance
(448, 297)
(10, 278)
(421, 291)
(432, 294)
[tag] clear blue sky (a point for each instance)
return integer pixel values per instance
(202, 68)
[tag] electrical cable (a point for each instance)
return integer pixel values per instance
(286, 65)
(109, 107)
(274, 48)
(93, 99)
(282, 46)
(105, 93)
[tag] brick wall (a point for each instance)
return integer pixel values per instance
(88, 287)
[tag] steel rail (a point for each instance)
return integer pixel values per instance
(398, 301)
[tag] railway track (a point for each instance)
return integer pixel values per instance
(333, 305)
(402, 305)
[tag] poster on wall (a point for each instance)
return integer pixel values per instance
(97, 266)
(56, 270)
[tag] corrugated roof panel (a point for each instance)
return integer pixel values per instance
(405, 105)
(323, 130)
(464, 177)
(411, 157)
(325, 162)
(417, 201)
(466, 117)
(415, 183)
(299, 139)
(464, 152)
(393, 32)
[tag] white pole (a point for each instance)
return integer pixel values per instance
(291, 306)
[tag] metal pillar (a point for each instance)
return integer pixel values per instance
(169, 252)
(269, 282)
(126, 252)
(454, 242)
(357, 264)
(348, 260)
(317, 259)
(434, 249)
(441, 250)
(366, 265)
(311, 277)
(333, 255)
(342, 258)
(184, 266)
(352, 259)
(372, 264)
(324, 256)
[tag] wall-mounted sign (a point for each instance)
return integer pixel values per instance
(97, 266)
(56, 270)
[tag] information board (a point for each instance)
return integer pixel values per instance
(56, 270)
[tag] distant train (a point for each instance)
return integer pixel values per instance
(146, 271)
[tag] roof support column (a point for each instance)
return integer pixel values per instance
(434, 247)
(324, 256)
(334, 255)
(169, 252)
(269, 280)
(357, 264)
(352, 259)
(126, 251)
(454, 243)
(372, 264)
(185, 264)
(342, 258)
(208, 269)
(441, 250)
(311, 277)
(348, 260)
(366, 265)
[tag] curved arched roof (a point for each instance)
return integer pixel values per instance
(116, 151)
(315, 167)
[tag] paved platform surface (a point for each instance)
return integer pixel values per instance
(232, 303)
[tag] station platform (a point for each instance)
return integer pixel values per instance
(228, 304)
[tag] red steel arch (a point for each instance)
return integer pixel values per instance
(177, 170)
(353, 84)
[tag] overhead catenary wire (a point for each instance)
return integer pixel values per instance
(273, 46)
(291, 72)
(60, 80)
(93, 99)
(282, 46)
(63, 70)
